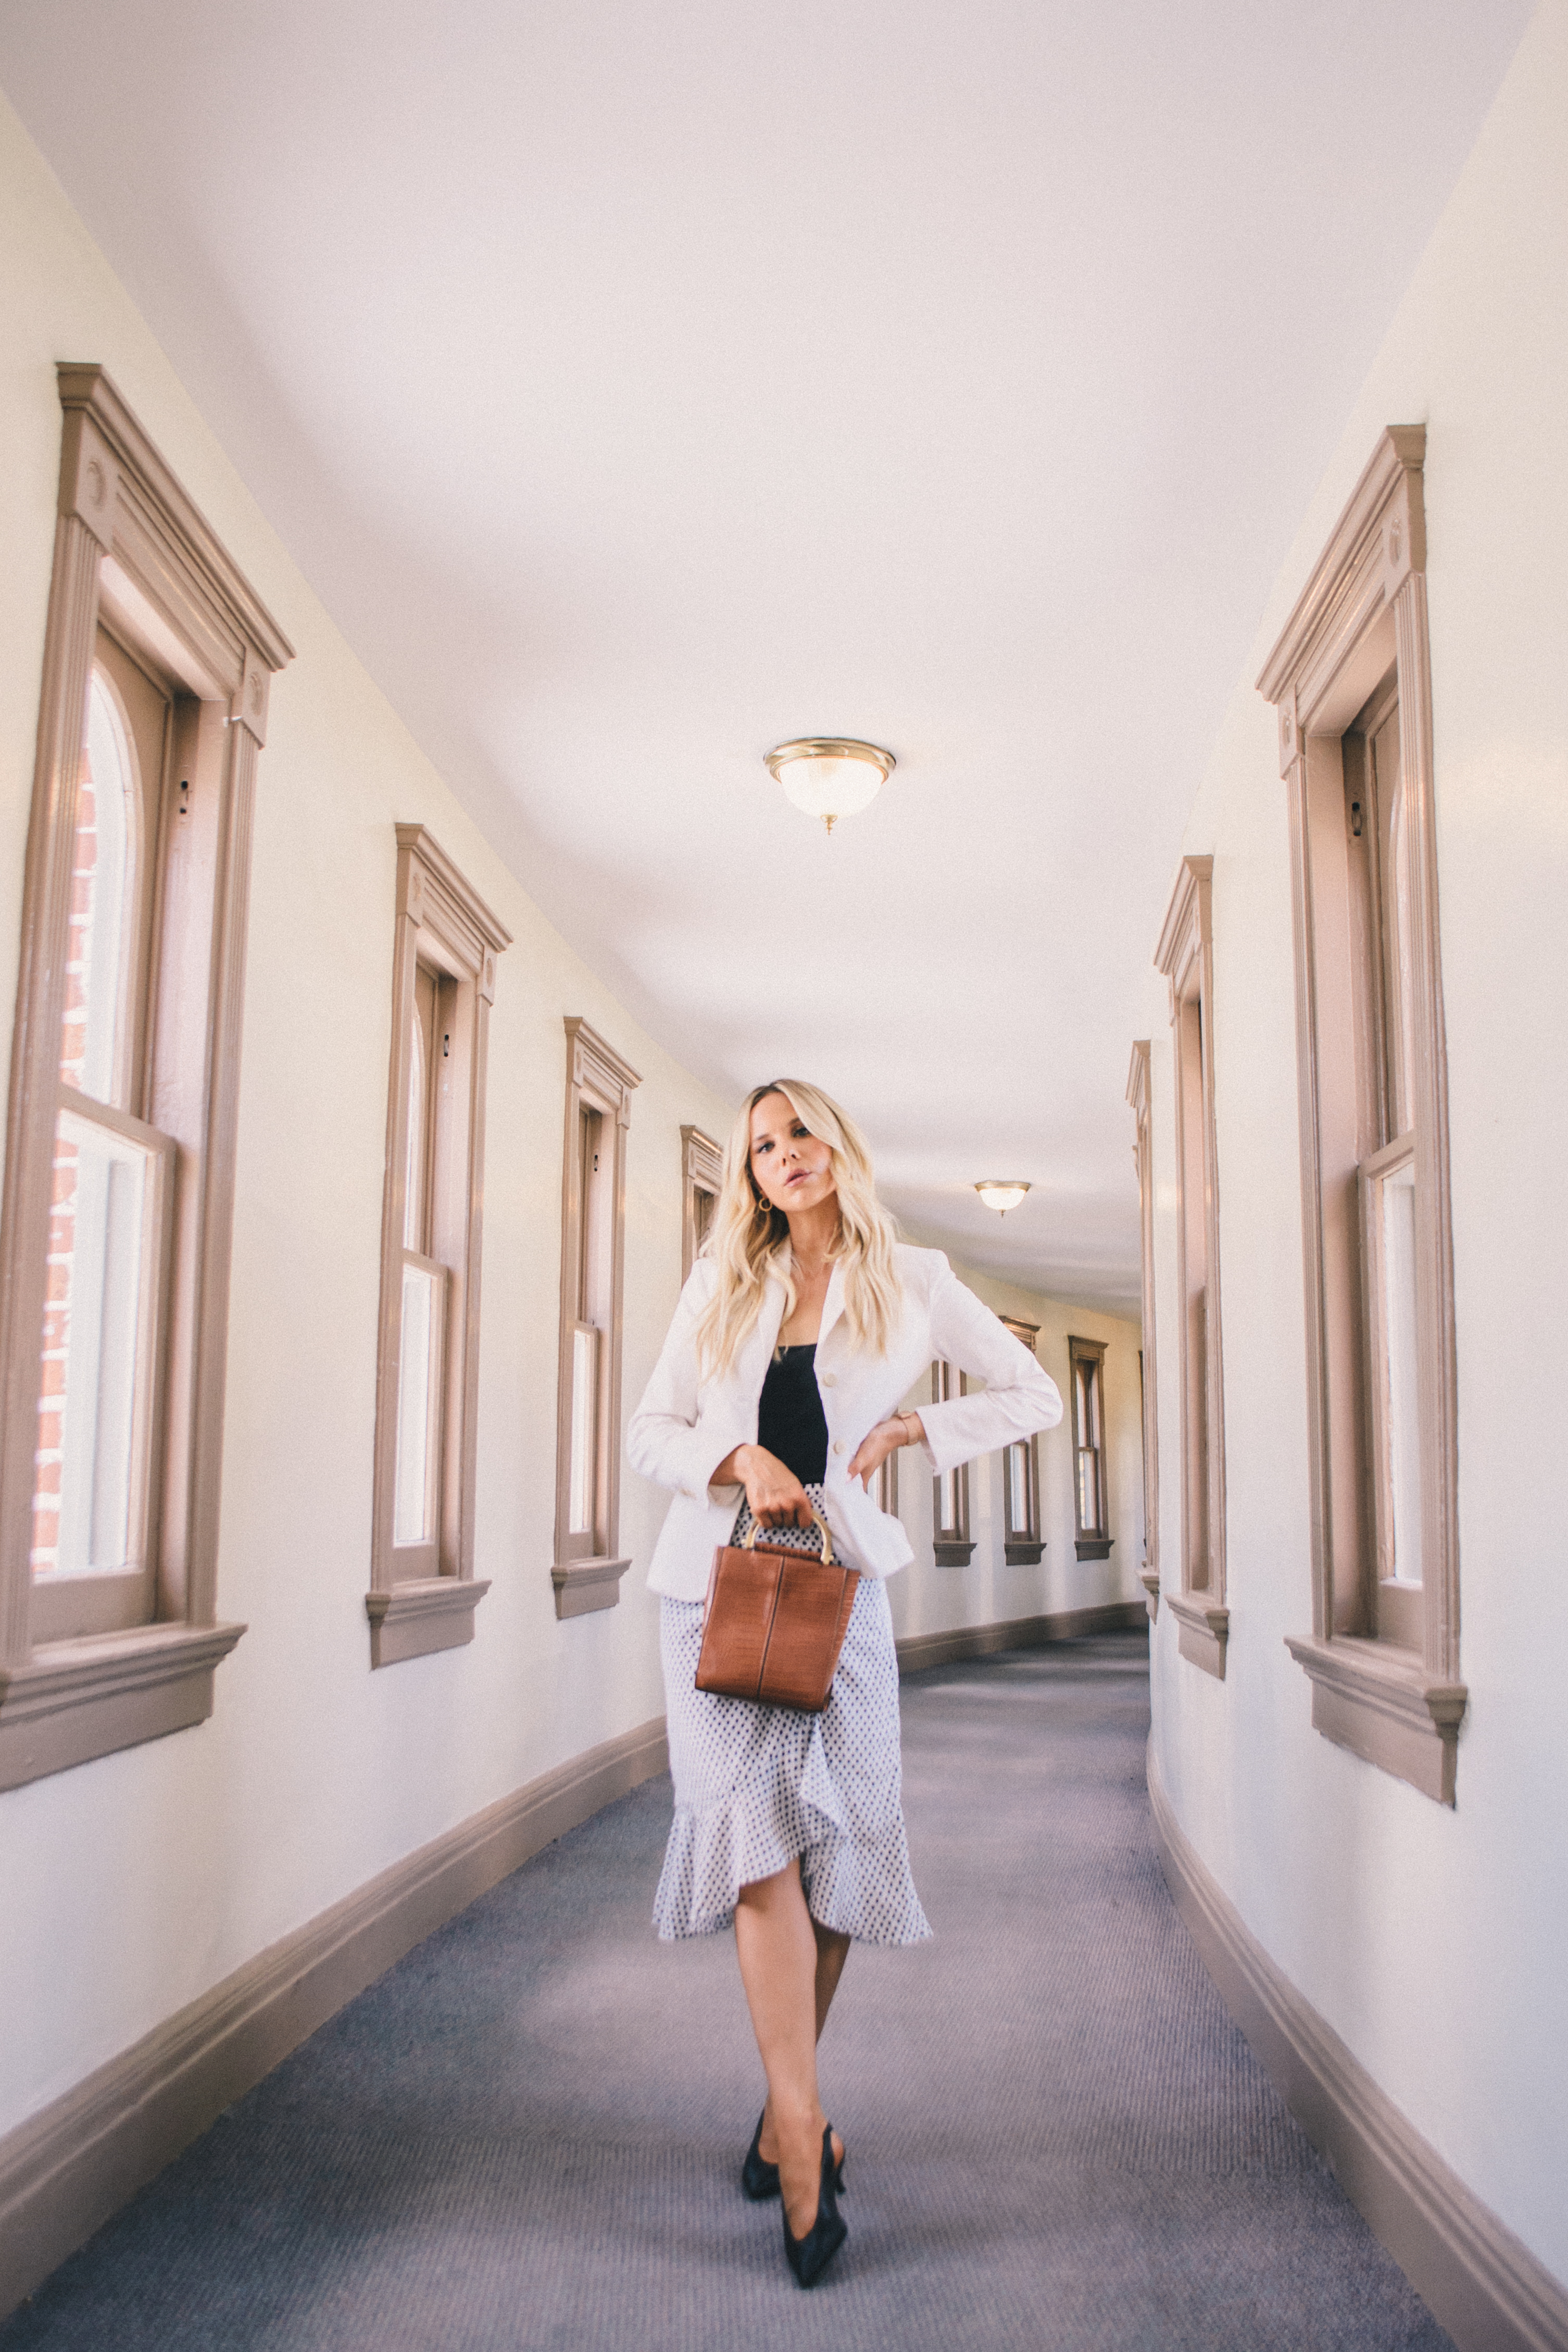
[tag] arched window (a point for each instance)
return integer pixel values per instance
(95, 1474)
(427, 1286)
(1388, 1172)
(1090, 1504)
(423, 1591)
(157, 658)
(1350, 679)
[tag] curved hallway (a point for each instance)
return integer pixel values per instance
(528, 2133)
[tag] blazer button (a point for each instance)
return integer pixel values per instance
(830, 1379)
(838, 1445)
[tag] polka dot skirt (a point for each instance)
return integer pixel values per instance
(756, 1785)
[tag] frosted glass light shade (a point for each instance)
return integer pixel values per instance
(830, 776)
(1000, 1193)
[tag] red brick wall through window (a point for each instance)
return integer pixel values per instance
(46, 1553)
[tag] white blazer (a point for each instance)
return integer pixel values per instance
(687, 1424)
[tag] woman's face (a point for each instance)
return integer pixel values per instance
(792, 1170)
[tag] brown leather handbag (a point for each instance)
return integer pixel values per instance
(775, 1623)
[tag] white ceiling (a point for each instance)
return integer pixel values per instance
(642, 386)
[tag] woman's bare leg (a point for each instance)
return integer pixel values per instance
(832, 1951)
(777, 1941)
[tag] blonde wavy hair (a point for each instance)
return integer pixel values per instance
(748, 1239)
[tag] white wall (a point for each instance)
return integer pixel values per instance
(926, 1599)
(1431, 1940)
(134, 1883)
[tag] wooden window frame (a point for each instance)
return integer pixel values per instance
(1138, 1097)
(133, 549)
(1022, 1547)
(953, 1547)
(1091, 1543)
(78, 1605)
(423, 1598)
(599, 1080)
(1186, 956)
(1364, 612)
(702, 1170)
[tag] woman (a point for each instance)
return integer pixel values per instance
(802, 1326)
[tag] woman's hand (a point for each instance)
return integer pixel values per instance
(904, 1429)
(776, 1496)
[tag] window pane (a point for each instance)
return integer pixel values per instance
(1396, 913)
(1017, 1459)
(413, 1235)
(584, 1429)
(418, 1484)
(99, 892)
(423, 1071)
(1403, 976)
(1399, 1326)
(87, 1469)
(947, 1507)
(589, 1253)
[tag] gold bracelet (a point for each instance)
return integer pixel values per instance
(903, 1421)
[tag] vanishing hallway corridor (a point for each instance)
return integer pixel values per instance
(529, 2133)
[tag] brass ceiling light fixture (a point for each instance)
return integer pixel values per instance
(830, 776)
(1002, 1192)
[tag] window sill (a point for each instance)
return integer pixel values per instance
(1149, 1578)
(1383, 1704)
(1205, 1631)
(1022, 1555)
(422, 1614)
(581, 1586)
(954, 1555)
(76, 1700)
(1095, 1547)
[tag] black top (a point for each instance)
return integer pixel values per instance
(790, 1419)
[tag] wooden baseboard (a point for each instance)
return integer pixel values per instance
(917, 1651)
(65, 2170)
(1481, 2284)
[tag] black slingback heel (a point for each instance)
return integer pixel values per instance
(761, 2179)
(809, 2256)
(757, 2177)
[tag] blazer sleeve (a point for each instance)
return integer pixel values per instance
(673, 1438)
(1018, 1397)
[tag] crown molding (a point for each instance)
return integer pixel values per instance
(1378, 542)
(1188, 923)
(88, 394)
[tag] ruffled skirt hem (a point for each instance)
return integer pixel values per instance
(756, 1787)
(708, 1861)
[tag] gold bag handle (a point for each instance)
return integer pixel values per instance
(756, 1528)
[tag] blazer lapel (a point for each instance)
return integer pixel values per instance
(752, 1365)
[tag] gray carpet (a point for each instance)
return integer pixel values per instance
(528, 2132)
